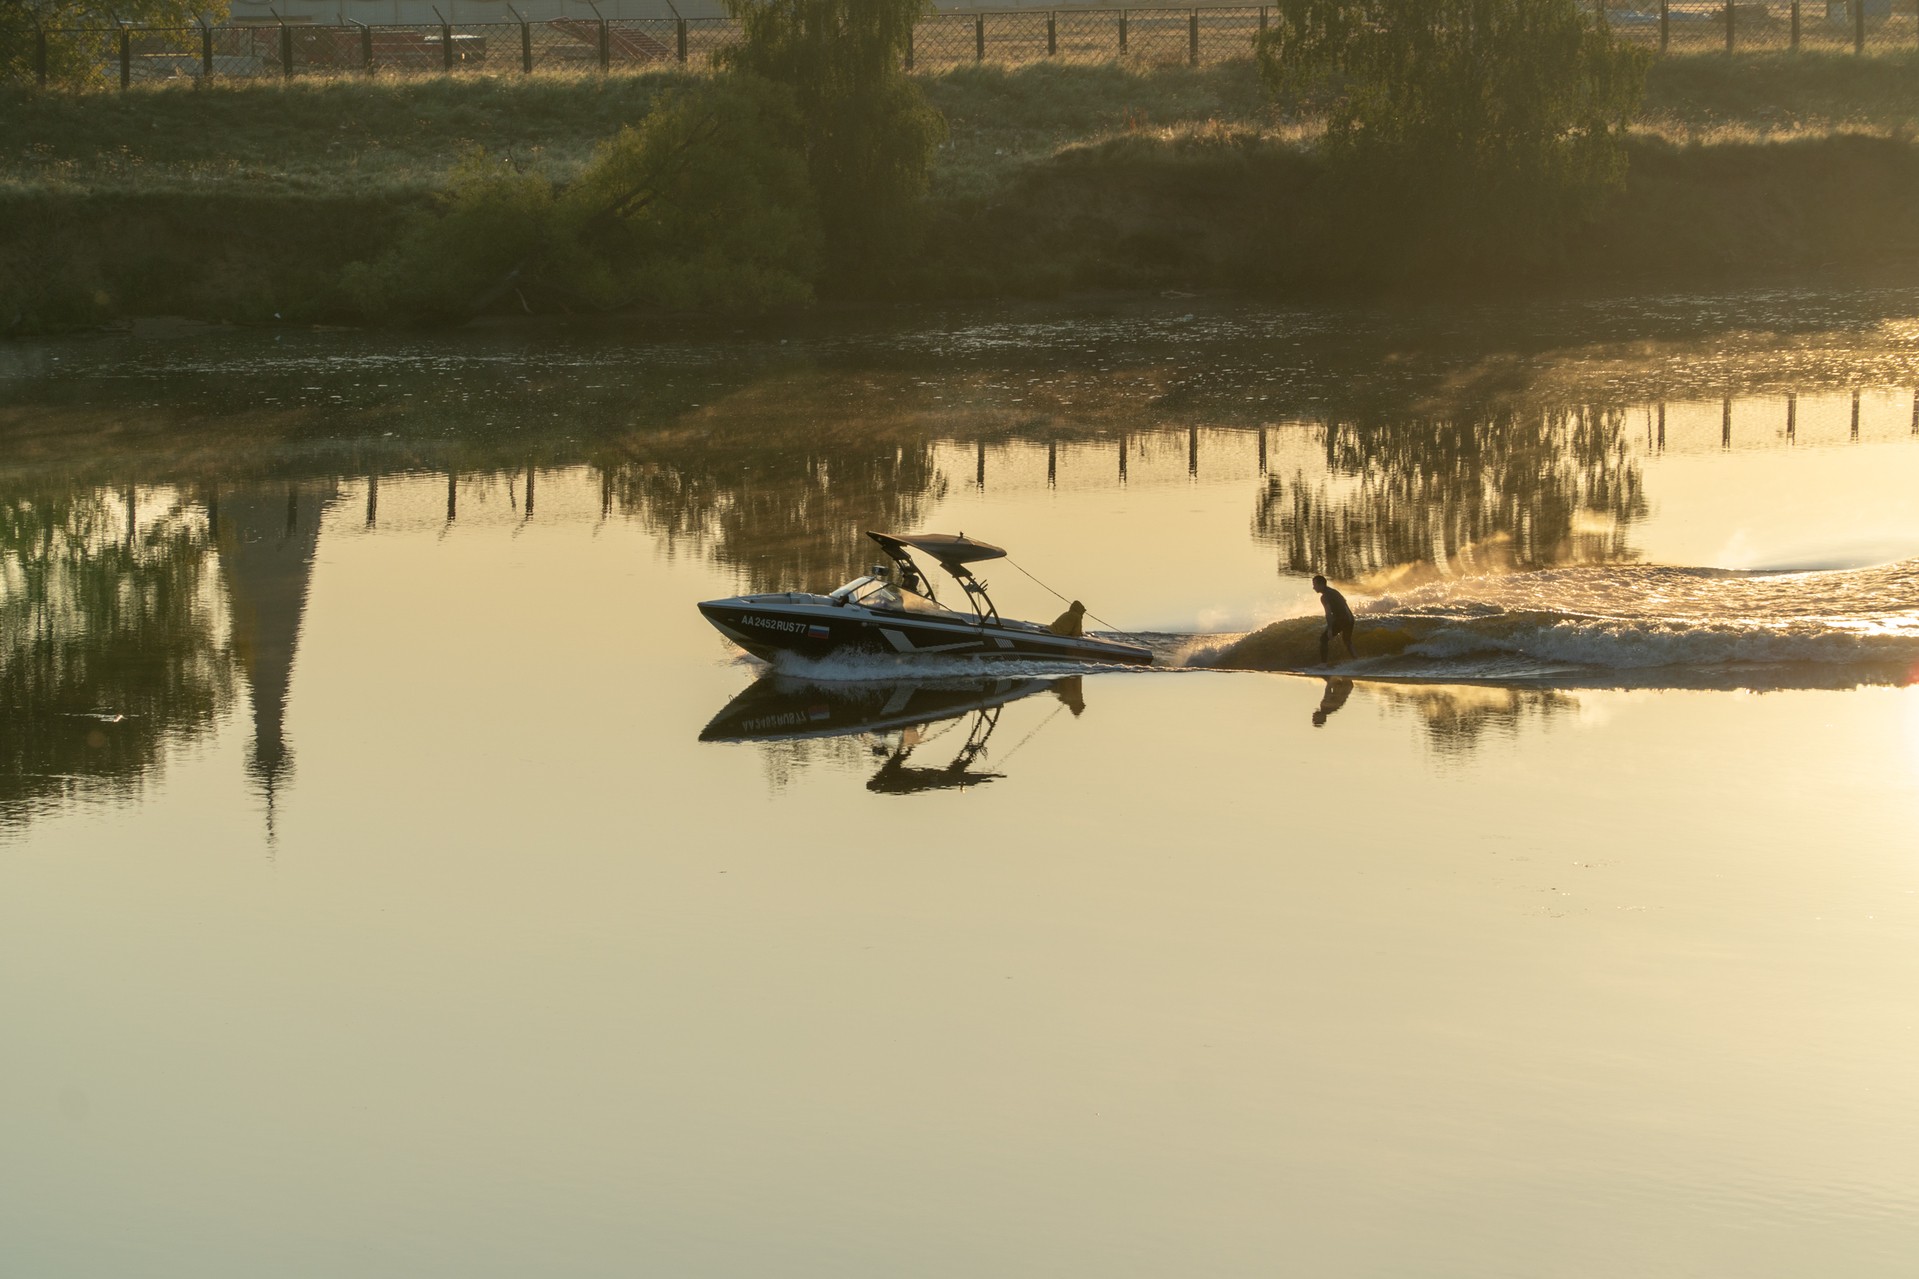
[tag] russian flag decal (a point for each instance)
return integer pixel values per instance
(819, 632)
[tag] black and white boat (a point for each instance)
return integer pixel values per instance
(894, 611)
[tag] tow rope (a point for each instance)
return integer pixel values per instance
(1067, 599)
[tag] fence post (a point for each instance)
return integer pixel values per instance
(606, 47)
(1795, 25)
(286, 50)
(526, 41)
(446, 47)
(1262, 19)
(1665, 25)
(126, 57)
(1192, 40)
(680, 31)
(1858, 26)
(979, 37)
(1731, 22)
(206, 50)
(1122, 33)
(909, 47)
(1052, 35)
(366, 49)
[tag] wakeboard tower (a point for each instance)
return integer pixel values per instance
(893, 610)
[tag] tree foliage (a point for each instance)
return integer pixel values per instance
(1486, 126)
(108, 646)
(704, 205)
(869, 133)
(81, 35)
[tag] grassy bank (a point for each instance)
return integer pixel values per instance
(243, 201)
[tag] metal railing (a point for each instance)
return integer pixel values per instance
(941, 41)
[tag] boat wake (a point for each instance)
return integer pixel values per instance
(1625, 626)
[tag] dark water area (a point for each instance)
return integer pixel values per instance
(394, 861)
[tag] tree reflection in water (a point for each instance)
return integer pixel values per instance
(1413, 495)
(119, 639)
(109, 645)
(1458, 718)
(782, 483)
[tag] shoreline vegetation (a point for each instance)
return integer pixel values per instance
(248, 203)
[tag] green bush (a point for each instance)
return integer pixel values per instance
(81, 40)
(704, 205)
(1474, 132)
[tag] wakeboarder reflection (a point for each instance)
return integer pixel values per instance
(1338, 689)
(1339, 619)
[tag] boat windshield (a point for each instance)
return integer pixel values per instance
(875, 592)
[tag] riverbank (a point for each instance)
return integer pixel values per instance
(244, 202)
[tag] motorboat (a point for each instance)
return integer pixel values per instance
(896, 718)
(893, 610)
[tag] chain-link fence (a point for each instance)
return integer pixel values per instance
(941, 41)
(1830, 26)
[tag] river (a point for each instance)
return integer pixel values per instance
(398, 877)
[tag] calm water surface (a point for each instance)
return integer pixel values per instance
(399, 878)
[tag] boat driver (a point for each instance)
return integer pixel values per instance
(886, 594)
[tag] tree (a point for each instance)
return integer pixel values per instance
(81, 39)
(870, 134)
(1495, 124)
(704, 205)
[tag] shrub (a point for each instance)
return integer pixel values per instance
(80, 34)
(1480, 129)
(704, 205)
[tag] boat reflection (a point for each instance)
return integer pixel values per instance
(892, 720)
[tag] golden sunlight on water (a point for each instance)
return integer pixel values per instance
(399, 877)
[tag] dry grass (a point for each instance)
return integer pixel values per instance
(1054, 176)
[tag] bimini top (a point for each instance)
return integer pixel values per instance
(949, 549)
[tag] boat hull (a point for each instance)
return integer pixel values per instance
(813, 626)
